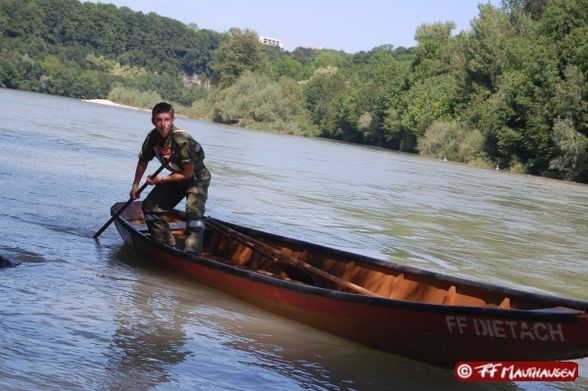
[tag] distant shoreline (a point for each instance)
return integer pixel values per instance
(107, 102)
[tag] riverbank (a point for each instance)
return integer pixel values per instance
(107, 102)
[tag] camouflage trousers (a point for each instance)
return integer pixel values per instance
(165, 197)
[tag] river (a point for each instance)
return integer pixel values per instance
(77, 314)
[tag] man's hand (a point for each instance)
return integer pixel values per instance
(135, 193)
(154, 180)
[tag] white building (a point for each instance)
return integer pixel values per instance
(271, 41)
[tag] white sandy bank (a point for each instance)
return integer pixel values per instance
(111, 103)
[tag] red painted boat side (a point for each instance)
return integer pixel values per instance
(438, 334)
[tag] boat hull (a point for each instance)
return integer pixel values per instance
(436, 334)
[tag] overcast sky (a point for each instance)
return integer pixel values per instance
(349, 25)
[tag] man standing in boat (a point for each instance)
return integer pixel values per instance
(189, 178)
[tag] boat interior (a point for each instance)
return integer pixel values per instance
(294, 262)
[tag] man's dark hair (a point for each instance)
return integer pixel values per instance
(162, 107)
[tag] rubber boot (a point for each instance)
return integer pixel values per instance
(159, 229)
(194, 237)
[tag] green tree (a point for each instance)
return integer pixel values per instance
(240, 52)
(565, 24)
(304, 55)
(486, 49)
(330, 58)
(570, 98)
(8, 73)
(531, 8)
(429, 100)
(572, 147)
(323, 94)
(431, 56)
(287, 66)
(379, 78)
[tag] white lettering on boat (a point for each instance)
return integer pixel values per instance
(513, 329)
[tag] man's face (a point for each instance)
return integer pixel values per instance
(163, 122)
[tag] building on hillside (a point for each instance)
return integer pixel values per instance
(271, 41)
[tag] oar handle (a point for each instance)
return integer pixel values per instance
(126, 205)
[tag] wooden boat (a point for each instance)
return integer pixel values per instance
(403, 310)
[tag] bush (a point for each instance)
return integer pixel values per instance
(517, 167)
(454, 141)
(572, 148)
(134, 98)
(252, 98)
(201, 109)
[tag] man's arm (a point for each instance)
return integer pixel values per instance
(139, 171)
(186, 173)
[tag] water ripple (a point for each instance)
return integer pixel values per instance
(79, 314)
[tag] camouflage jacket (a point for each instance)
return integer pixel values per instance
(182, 148)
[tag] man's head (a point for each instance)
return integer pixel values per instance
(162, 117)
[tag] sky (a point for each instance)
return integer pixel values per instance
(348, 25)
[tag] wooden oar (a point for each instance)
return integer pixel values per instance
(129, 202)
(278, 256)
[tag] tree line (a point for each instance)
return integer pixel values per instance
(84, 50)
(510, 93)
